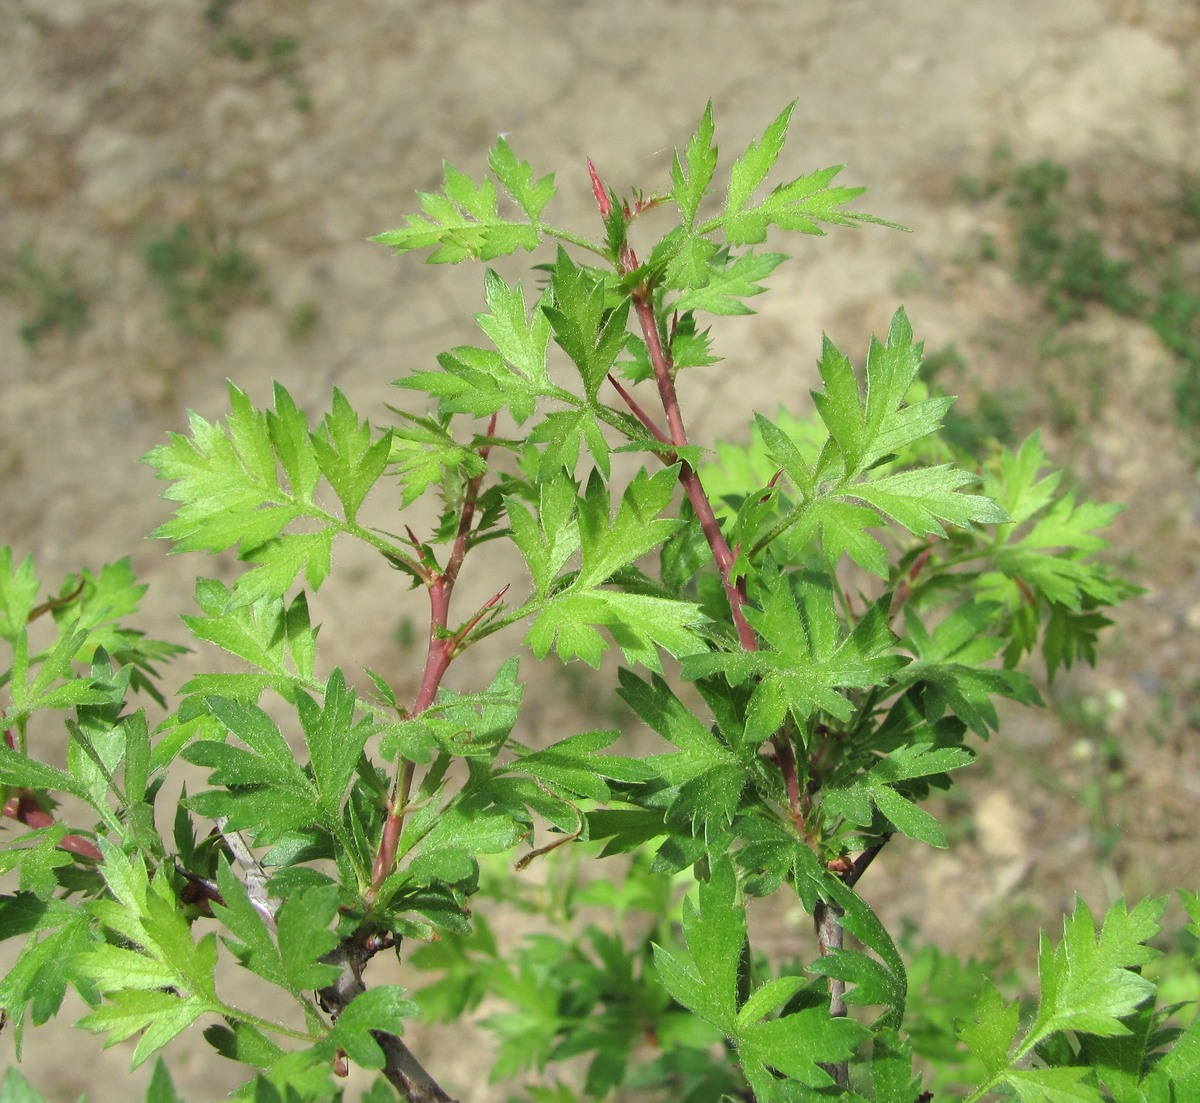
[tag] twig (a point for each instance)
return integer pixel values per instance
(438, 656)
(255, 876)
(643, 305)
(401, 1068)
(830, 939)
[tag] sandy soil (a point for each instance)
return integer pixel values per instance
(121, 118)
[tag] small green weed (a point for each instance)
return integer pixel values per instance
(50, 293)
(277, 54)
(1069, 263)
(1176, 320)
(972, 429)
(302, 321)
(204, 281)
(1061, 248)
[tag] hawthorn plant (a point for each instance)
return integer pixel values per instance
(818, 625)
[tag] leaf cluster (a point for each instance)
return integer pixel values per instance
(815, 626)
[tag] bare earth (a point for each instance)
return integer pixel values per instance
(122, 118)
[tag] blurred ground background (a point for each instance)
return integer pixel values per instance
(186, 189)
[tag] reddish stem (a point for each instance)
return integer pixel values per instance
(905, 589)
(643, 305)
(642, 416)
(439, 653)
(785, 757)
(23, 807)
(735, 592)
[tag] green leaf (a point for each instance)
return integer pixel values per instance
(867, 427)
(520, 338)
(464, 221)
(268, 758)
(797, 1045)
(149, 914)
(1055, 1085)
(425, 453)
(685, 258)
(264, 789)
(225, 484)
(639, 623)
(252, 632)
(590, 330)
(27, 773)
(157, 1016)
(572, 765)
(284, 558)
(883, 981)
(112, 968)
(304, 937)
(806, 661)
(16, 1089)
(228, 484)
(469, 825)
(564, 431)
(1045, 574)
(335, 742)
(383, 1008)
(251, 941)
(18, 594)
(161, 1089)
(472, 725)
(844, 530)
(60, 935)
(767, 998)
(751, 169)
(876, 787)
(1090, 985)
(516, 177)
(549, 542)
(991, 1034)
(949, 665)
(1089, 982)
(567, 617)
(348, 456)
(708, 775)
(728, 281)
(892, 1070)
(609, 543)
(855, 468)
(705, 981)
(301, 637)
(691, 177)
(921, 499)
(293, 445)
(244, 1044)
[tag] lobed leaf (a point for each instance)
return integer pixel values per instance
(725, 283)
(691, 177)
(463, 221)
(349, 456)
